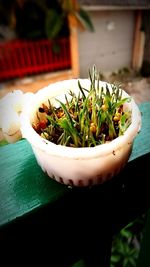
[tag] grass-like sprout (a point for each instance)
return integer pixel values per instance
(94, 116)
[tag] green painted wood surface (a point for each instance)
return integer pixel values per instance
(141, 144)
(23, 185)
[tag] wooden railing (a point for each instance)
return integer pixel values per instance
(38, 215)
(19, 58)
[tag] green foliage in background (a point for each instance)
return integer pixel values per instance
(36, 19)
(126, 244)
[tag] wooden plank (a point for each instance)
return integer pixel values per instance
(115, 3)
(141, 145)
(74, 45)
(36, 83)
(24, 187)
(114, 7)
(139, 42)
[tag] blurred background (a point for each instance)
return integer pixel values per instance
(44, 41)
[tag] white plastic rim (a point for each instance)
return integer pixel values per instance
(59, 89)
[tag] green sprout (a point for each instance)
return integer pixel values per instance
(93, 117)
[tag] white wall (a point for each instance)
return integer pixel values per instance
(110, 46)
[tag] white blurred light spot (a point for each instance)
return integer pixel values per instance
(111, 26)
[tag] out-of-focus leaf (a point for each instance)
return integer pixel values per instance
(53, 23)
(84, 19)
(126, 233)
(115, 258)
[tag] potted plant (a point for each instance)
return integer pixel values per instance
(81, 130)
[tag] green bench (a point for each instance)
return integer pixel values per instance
(62, 225)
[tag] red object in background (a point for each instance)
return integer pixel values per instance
(19, 58)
